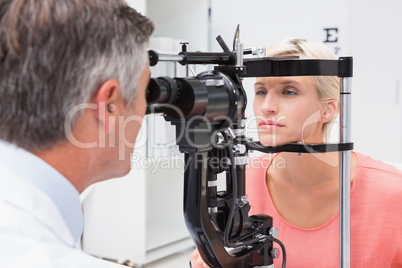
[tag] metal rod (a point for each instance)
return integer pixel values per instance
(344, 175)
(170, 57)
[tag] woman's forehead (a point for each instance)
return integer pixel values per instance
(285, 80)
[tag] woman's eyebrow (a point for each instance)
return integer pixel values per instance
(283, 82)
(258, 84)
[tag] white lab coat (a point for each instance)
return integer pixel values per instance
(33, 233)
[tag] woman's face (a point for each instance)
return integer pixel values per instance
(287, 110)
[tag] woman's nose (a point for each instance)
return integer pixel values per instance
(270, 105)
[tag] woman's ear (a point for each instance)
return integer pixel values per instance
(329, 111)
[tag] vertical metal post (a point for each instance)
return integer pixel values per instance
(344, 175)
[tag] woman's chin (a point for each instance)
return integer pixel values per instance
(271, 143)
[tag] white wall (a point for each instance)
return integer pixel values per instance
(179, 19)
(367, 30)
(139, 5)
(377, 101)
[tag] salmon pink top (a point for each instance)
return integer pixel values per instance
(376, 219)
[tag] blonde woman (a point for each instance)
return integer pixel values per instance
(301, 192)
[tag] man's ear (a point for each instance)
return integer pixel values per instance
(330, 110)
(107, 100)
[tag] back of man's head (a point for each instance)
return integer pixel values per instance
(54, 55)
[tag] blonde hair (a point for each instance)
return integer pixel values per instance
(327, 87)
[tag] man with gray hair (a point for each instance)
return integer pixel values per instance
(73, 75)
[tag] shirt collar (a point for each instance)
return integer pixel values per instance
(34, 170)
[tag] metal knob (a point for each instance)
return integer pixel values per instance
(275, 253)
(274, 232)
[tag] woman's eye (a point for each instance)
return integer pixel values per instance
(260, 92)
(289, 92)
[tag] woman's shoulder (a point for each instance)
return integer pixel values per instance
(370, 164)
(256, 187)
(380, 177)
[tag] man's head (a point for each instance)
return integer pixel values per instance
(56, 55)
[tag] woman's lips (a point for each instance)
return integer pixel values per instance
(269, 124)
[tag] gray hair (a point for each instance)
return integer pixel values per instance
(55, 54)
(328, 87)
